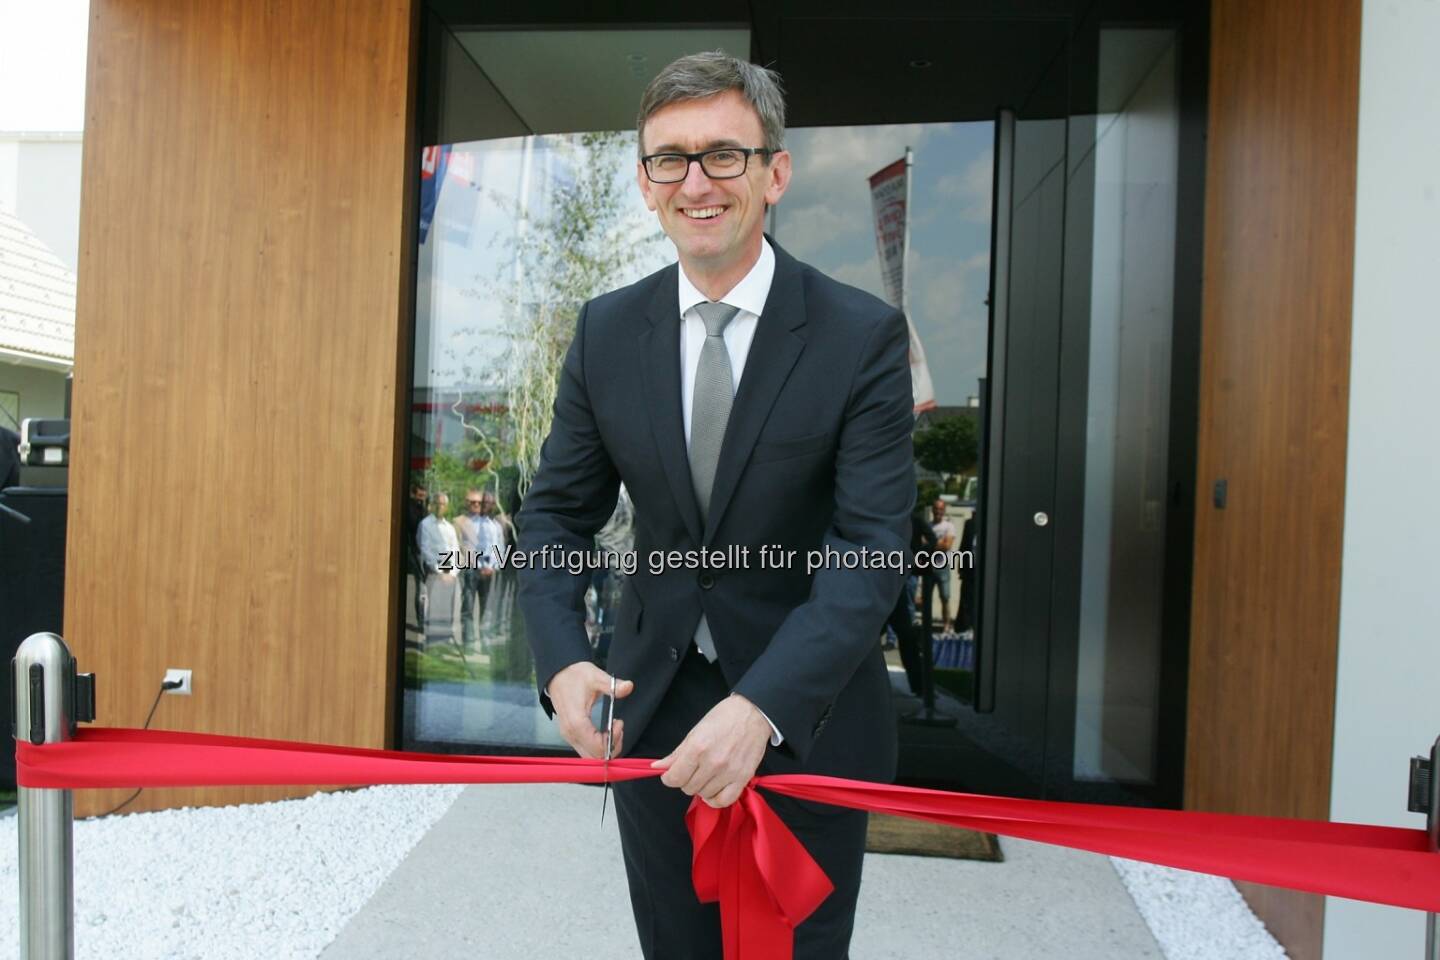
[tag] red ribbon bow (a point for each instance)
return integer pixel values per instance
(766, 881)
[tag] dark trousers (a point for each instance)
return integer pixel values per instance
(671, 922)
(965, 615)
(474, 592)
(416, 574)
(908, 638)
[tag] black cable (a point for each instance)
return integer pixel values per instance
(167, 685)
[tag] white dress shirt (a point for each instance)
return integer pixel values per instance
(491, 540)
(749, 296)
(436, 537)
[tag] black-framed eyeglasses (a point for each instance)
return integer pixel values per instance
(719, 163)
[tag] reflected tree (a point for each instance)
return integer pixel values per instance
(585, 244)
(579, 240)
(948, 447)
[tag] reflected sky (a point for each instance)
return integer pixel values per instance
(825, 219)
(469, 271)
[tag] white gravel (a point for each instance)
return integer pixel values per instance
(274, 880)
(1195, 916)
(280, 880)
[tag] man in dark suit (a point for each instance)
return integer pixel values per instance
(747, 402)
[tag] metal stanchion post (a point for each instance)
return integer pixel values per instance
(49, 698)
(1425, 798)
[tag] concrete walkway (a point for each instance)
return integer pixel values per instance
(527, 870)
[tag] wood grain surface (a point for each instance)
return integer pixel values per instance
(1279, 252)
(242, 311)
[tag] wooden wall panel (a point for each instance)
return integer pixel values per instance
(1279, 252)
(241, 322)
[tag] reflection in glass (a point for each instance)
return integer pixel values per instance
(515, 235)
(1131, 319)
(828, 219)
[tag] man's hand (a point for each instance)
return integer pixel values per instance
(720, 754)
(573, 692)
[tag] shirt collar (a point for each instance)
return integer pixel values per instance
(749, 294)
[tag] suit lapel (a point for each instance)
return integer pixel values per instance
(660, 350)
(773, 351)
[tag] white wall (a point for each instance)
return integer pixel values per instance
(9, 170)
(49, 195)
(40, 184)
(1387, 704)
(42, 392)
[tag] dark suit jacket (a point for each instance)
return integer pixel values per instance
(816, 454)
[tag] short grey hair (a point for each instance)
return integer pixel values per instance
(702, 75)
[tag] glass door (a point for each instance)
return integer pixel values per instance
(1051, 280)
(1125, 414)
(1086, 492)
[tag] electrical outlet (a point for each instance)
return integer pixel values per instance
(183, 676)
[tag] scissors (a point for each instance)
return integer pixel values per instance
(609, 746)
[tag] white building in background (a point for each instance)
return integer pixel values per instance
(39, 254)
(40, 184)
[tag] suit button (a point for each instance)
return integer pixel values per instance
(820, 724)
(674, 654)
(706, 581)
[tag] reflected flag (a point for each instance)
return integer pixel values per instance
(433, 162)
(890, 201)
(457, 219)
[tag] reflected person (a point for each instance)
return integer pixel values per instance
(438, 545)
(415, 511)
(501, 620)
(480, 536)
(946, 540)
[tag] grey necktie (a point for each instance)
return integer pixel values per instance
(709, 413)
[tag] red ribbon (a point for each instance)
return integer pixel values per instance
(744, 855)
(765, 879)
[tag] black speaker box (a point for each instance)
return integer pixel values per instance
(32, 586)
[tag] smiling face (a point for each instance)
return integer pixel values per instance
(715, 224)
